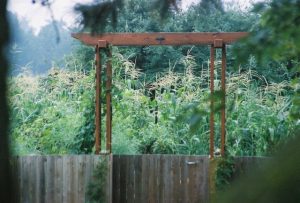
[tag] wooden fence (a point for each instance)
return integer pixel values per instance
(55, 179)
(131, 178)
(160, 178)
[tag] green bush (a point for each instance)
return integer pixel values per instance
(96, 192)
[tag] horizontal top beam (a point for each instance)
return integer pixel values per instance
(159, 38)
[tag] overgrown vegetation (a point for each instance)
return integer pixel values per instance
(224, 172)
(96, 188)
(53, 114)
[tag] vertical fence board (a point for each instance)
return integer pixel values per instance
(116, 178)
(161, 184)
(15, 167)
(176, 177)
(152, 178)
(50, 179)
(31, 178)
(122, 179)
(43, 179)
(137, 179)
(205, 186)
(24, 180)
(88, 173)
(185, 179)
(66, 166)
(58, 179)
(193, 187)
(166, 178)
(81, 179)
(38, 162)
(157, 178)
(145, 177)
(130, 178)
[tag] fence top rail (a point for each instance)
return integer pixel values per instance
(160, 38)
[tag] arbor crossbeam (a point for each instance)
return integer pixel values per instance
(160, 38)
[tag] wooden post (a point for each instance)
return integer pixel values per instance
(98, 101)
(212, 67)
(108, 101)
(223, 110)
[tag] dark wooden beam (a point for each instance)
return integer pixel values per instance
(160, 38)
(98, 101)
(212, 113)
(223, 110)
(108, 101)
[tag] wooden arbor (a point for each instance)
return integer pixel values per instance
(101, 42)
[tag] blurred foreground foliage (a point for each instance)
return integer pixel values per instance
(277, 38)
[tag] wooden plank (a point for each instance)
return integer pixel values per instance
(144, 39)
(161, 184)
(167, 181)
(88, 173)
(152, 178)
(81, 163)
(176, 179)
(138, 179)
(58, 178)
(145, 177)
(130, 173)
(205, 179)
(23, 176)
(25, 181)
(98, 101)
(15, 167)
(195, 181)
(42, 169)
(35, 178)
(223, 110)
(74, 179)
(110, 182)
(193, 164)
(108, 100)
(157, 177)
(96, 160)
(49, 184)
(67, 184)
(31, 160)
(212, 113)
(65, 173)
(184, 178)
(123, 186)
(116, 178)
(152, 174)
(37, 163)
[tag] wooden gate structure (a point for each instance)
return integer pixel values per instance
(102, 42)
(158, 178)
